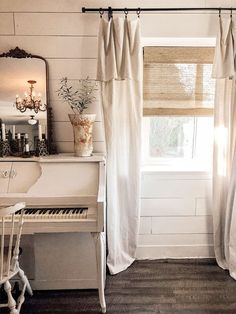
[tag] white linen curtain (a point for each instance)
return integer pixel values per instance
(224, 165)
(119, 70)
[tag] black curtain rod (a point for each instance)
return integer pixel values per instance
(110, 9)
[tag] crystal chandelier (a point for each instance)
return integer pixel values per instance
(30, 100)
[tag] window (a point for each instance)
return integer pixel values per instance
(178, 106)
(184, 141)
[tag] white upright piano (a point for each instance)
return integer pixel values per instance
(63, 243)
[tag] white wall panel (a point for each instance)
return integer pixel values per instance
(203, 206)
(145, 225)
(181, 251)
(56, 24)
(175, 239)
(52, 46)
(179, 25)
(170, 225)
(168, 207)
(72, 68)
(219, 3)
(46, 5)
(6, 24)
(152, 187)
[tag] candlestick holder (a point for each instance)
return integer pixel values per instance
(41, 149)
(14, 146)
(5, 149)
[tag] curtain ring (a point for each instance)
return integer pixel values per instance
(126, 12)
(101, 12)
(219, 12)
(138, 12)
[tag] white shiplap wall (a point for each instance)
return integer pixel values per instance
(174, 218)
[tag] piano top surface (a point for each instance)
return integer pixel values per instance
(65, 157)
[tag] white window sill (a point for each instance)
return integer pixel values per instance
(176, 169)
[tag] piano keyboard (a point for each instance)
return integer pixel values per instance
(55, 213)
(58, 219)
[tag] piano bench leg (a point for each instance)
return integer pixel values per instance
(100, 261)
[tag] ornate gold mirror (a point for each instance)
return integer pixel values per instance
(25, 111)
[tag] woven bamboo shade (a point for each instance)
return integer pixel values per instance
(177, 81)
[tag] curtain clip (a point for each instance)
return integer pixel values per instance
(126, 12)
(219, 13)
(101, 12)
(231, 13)
(110, 13)
(138, 12)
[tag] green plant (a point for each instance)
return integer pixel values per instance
(80, 98)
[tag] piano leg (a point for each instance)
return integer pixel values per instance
(100, 259)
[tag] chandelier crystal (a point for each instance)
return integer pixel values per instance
(30, 100)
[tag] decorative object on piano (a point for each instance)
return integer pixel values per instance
(26, 66)
(78, 100)
(26, 153)
(4, 143)
(19, 145)
(82, 128)
(41, 149)
(30, 100)
(5, 149)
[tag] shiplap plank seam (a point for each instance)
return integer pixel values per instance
(14, 24)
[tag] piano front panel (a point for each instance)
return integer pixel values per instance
(74, 179)
(5, 168)
(23, 176)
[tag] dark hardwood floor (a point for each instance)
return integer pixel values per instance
(163, 286)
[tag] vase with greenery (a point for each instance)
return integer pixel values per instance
(78, 98)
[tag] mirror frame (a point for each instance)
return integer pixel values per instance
(21, 54)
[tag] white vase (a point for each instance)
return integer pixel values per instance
(83, 128)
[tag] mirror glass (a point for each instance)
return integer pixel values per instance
(15, 74)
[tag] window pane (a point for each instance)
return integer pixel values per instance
(171, 137)
(204, 140)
